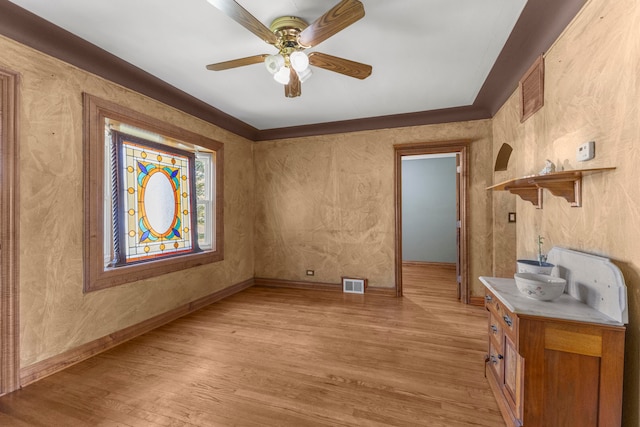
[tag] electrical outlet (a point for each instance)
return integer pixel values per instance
(586, 151)
(311, 273)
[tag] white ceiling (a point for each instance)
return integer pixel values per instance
(426, 54)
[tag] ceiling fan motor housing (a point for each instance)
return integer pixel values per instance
(287, 29)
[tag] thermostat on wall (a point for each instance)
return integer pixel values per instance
(586, 151)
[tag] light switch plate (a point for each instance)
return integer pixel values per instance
(586, 151)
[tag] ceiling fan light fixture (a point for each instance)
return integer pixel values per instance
(299, 61)
(303, 76)
(274, 63)
(291, 36)
(282, 76)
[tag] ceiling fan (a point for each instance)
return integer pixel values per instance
(292, 35)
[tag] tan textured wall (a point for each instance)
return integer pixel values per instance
(504, 232)
(592, 92)
(327, 203)
(54, 313)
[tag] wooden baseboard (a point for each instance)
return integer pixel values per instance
(39, 370)
(479, 301)
(425, 264)
(298, 284)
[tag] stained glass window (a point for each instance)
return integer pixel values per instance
(155, 210)
(138, 224)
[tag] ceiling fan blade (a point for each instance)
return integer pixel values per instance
(234, 63)
(293, 88)
(244, 18)
(338, 18)
(340, 65)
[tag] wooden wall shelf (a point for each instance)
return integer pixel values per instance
(565, 184)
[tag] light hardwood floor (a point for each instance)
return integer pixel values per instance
(283, 357)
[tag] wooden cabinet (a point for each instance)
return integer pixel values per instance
(505, 364)
(553, 372)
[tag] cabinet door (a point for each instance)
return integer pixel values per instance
(513, 376)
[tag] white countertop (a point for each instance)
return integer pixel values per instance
(566, 307)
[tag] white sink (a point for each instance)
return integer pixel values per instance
(534, 266)
(540, 286)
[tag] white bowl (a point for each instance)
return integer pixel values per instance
(540, 286)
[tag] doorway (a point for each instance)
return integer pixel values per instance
(9, 322)
(459, 151)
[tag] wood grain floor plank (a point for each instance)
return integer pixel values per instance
(286, 357)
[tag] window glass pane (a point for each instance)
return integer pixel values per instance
(204, 190)
(202, 225)
(155, 201)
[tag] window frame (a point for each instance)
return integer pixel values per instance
(208, 202)
(96, 275)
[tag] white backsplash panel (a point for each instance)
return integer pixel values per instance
(594, 280)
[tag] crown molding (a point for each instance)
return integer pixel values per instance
(422, 118)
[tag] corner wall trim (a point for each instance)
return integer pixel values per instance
(61, 361)
(318, 286)
(9, 232)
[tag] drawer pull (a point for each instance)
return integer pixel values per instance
(507, 320)
(494, 328)
(488, 298)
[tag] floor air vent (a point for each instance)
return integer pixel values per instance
(353, 286)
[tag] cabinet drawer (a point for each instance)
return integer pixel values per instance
(495, 330)
(490, 301)
(503, 316)
(509, 321)
(493, 304)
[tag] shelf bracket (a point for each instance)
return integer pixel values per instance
(570, 191)
(531, 194)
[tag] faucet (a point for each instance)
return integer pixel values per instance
(541, 258)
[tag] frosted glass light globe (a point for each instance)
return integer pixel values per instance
(274, 63)
(299, 61)
(282, 76)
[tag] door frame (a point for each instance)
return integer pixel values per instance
(460, 147)
(9, 266)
